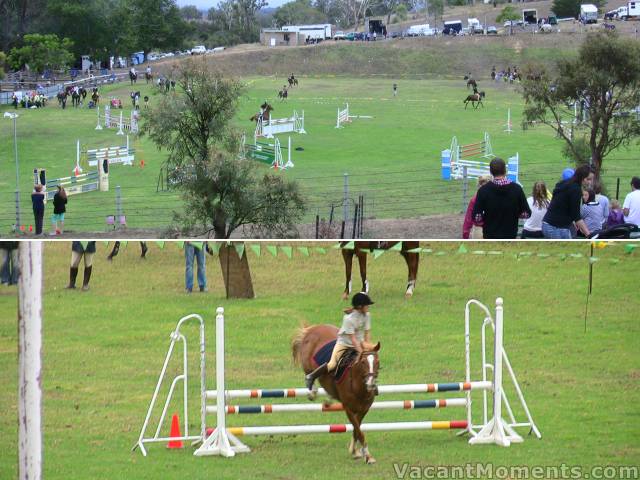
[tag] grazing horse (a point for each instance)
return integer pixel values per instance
(360, 250)
(355, 389)
(475, 99)
(293, 81)
(472, 83)
(265, 112)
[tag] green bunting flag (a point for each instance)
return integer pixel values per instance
(215, 247)
(197, 245)
(494, 252)
(180, 245)
(397, 247)
(320, 250)
(304, 251)
(160, 245)
(337, 246)
(427, 250)
(288, 251)
(462, 248)
(239, 249)
(377, 252)
(439, 254)
(349, 246)
(256, 249)
(273, 250)
(576, 255)
(414, 250)
(543, 255)
(84, 245)
(593, 260)
(630, 247)
(106, 244)
(124, 243)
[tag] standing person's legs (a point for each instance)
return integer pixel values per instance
(14, 270)
(38, 216)
(202, 273)
(73, 270)
(188, 270)
(4, 270)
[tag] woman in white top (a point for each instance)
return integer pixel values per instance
(538, 203)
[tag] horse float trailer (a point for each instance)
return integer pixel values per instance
(588, 13)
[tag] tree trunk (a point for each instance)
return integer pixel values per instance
(235, 273)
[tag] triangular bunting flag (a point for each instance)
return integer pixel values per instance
(377, 252)
(239, 249)
(256, 249)
(462, 248)
(273, 250)
(349, 246)
(288, 251)
(397, 247)
(160, 245)
(304, 251)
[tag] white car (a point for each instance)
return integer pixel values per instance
(198, 50)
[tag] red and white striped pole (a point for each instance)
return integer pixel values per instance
(30, 361)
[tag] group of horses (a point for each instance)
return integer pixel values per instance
(78, 95)
(283, 94)
(476, 97)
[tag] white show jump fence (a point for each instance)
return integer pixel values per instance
(110, 121)
(463, 161)
(124, 154)
(269, 153)
(274, 126)
(224, 441)
(343, 116)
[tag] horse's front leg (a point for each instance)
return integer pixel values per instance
(347, 256)
(368, 458)
(413, 260)
(362, 262)
(354, 451)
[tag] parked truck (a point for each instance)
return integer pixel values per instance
(588, 13)
(632, 11)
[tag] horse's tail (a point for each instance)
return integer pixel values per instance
(296, 344)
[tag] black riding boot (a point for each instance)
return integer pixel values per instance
(87, 277)
(143, 249)
(318, 372)
(73, 273)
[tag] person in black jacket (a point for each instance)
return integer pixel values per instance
(59, 209)
(499, 204)
(37, 200)
(564, 209)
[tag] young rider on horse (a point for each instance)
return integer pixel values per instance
(356, 329)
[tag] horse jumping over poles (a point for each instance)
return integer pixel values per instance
(293, 81)
(264, 113)
(360, 250)
(356, 387)
(475, 99)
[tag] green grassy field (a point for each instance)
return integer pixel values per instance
(103, 350)
(393, 158)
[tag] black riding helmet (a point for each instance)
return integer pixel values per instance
(361, 299)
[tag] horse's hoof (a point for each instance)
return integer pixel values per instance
(408, 295)
(370, 460)
(312, 395)
(356, 455)
(345, 296)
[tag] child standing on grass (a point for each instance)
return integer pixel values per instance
(355, 330)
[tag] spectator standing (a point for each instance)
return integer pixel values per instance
(37, 200)
(59, 209)
(538, 203)
(9, 258)
(469, 229)
(564, 208)
(631, 206)
(616, 217)
(192, 250)
(78, 251)
(499, 204)
(591, 211)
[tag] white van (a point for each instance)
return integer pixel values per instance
(198, 50)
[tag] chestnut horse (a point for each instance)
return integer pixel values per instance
(356, 390)
(361, 249)
(265, 108)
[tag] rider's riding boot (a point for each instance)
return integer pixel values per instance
(73, 273)
(318, 372)
(143, 248)
(87, 277)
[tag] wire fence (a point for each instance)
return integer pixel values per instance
(330, 199)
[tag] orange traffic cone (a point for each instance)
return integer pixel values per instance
(141, 163)
(175, 433)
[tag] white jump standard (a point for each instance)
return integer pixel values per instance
(223, 441)
(274, 126)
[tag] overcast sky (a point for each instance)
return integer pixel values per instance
(207, 4)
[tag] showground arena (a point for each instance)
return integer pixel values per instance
(103, 350)
(391, 160)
